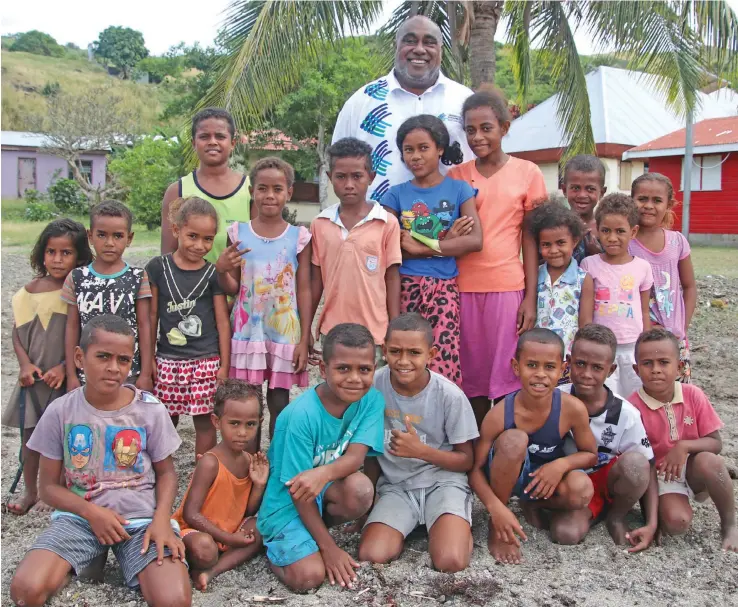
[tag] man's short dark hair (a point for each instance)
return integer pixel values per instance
(597, 334)
(348, 335)
(411, 321)
(350, 147)
(107, 323)
(111, 208)
(657, 334)
(540, 336)
(617, 204)
(585, 163)
(235, 389)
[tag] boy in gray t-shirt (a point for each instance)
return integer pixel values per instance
(421, 479)
(114, 446)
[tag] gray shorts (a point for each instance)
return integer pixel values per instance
(405, 510)
(72, 539)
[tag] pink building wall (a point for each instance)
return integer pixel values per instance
(46, 166)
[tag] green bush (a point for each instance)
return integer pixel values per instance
(37, 43)
(146, 170)
(289, 216)
(67, 196)
(50, 89)
(37, 207)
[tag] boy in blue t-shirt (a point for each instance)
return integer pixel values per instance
(320, 441)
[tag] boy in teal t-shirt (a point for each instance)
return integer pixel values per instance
(320, 441)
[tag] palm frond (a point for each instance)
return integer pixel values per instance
(518, 34)
(269, 44)
(655, 38)
(716, 25)
(550, 26)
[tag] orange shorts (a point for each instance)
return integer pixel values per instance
(601, 497)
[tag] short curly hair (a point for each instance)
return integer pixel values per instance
(350, 147)
(598, 334)
(657, 334)
(111, 208)
(617, 204)
(272, 162)
(553, 214)
(585, 163)
(235, 389)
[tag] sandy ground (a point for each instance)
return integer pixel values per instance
(691, 570)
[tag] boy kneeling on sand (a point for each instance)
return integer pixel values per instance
(520, 450)
(429, 426)
(114, 445)
(320, 441)
(624, 472)
(683, 429)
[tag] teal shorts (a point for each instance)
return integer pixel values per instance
(294, 542)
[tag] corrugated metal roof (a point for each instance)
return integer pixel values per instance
(29, 140)
(713, 135)
(625, 109)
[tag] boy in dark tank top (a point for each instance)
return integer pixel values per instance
(520, 449)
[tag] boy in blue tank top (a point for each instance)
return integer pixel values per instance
(520, 450)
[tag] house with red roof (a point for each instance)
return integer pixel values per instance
(714, 199)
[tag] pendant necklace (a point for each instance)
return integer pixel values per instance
(191, 324)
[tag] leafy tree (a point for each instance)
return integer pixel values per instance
(37, 43)
(122, 47)
(270, 45)
(145, 171)
(67, 196)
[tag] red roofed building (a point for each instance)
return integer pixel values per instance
(714, 200)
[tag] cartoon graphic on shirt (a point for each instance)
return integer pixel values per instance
(284, 319)
(407, 217)
(79, 444)
(622, 304)
(665, 296)
(627, 283)
(428, 225)
(123, 447)
(445, 212)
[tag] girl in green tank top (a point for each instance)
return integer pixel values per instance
(213, 137)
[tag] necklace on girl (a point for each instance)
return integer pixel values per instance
(191, 324)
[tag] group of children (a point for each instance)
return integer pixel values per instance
(441, 354)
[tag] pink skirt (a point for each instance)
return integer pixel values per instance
(187, 387)
(258, 361)
(489, 337)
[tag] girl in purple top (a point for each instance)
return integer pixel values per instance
(674, 295)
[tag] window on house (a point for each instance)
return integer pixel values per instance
(85, 167)
(706, 173)
(626, 175)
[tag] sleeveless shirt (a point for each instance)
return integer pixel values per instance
(236, 206)
(545, 444)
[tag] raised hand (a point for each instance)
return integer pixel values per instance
(259, 469)
(406, 443)
(230, 258)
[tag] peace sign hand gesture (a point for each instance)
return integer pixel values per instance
(230, 258)
(407, 443)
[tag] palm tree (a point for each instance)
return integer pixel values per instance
(678, 42)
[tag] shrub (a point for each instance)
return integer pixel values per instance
(50, 89)
(146, 170)
(37, 207)
(37, 43)
(67, 196)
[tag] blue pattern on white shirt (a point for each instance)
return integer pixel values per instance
(558, 303)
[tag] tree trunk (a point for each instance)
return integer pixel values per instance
(482, 41)
(322, 168)
(453, 27)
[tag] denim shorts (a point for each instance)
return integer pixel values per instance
(294, 542)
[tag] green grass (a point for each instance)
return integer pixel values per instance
(715, 260)
(17, 232)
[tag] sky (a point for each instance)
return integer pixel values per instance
(164, 23)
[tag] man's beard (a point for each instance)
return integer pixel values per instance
(422, 82)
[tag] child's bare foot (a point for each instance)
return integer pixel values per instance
(618, 530)
(21, 505)
(201, 579)
(730, 539)
(534, 515)
(508, 554)
(41, 506)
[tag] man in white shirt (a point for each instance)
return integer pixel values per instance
(414, 86)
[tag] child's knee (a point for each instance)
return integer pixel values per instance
(568, 532)
(358, 495)
(634, 471)
(304, 576)
(512, 443)
(706, 465)
(576, 490)
(452, 559)
(202, 551)
(28, 589)
(675, 520)
(378, 552)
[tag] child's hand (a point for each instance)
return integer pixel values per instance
(640, 538)
(406, 444)
(545, 480)
(339, 566)
(161, 533)
(28, 374)
(307, 485)
(673, 464)
(221, 375)
(410, 245)
(107, 525)
(300, 357)
(462, 226)
(259, 469)
(242, 538)
(591, 244)
(526, 314)
(54, 377)
(230, 258)
(145, 382)
(315, 356)
(507, 526)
